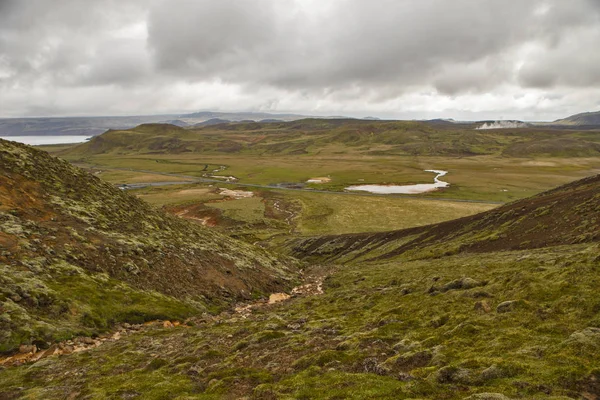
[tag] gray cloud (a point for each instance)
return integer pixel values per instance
(302, 55)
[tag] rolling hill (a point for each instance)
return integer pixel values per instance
(500, 305)
(310, 136)
(583, 119)
(79, 255)
(563, 216)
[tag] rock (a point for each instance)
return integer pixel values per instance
(506, 306)
(278, 297)
(414, 360)
(294, 327)
(126, 325)
(68, 349)
(405, 377)
(26, 348)
(461, 284)
(88, 340)
(452, 374)
(482, 307)
(493, 372)
(52, 350)
(167, 324)
(487, 396)
(587, 338)
(371, 366)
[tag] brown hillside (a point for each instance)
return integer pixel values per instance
(566, 215)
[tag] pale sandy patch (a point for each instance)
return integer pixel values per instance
(319, 180)
(539, 163)
(194, 191)
(237, 194)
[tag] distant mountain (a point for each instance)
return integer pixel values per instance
(73, 125)
(240, 116)
(176, 122)
(213, 121)
(584, 119)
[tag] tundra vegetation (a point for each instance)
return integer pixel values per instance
(396, 296)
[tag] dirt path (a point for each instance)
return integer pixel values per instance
(312, 286)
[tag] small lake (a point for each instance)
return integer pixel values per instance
(50, 139)
(406, 189)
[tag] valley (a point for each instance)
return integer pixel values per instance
(482, 289)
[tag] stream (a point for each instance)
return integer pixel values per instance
(405, 189)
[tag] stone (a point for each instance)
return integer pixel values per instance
(506, 306)
(88, 340)
(487, 396)
(451, 374)
(167, 324)
(278, 297)
(461, 284)
(26, 348)
(482, 307)
(492, 372)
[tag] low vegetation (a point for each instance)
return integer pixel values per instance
(73, 246)
(393, 297)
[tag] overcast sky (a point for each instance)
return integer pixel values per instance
(462, 59)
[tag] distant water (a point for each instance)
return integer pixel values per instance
(39, 140)
(405, 189)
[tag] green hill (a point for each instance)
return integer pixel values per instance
(586, 119)
(79, 255)
(563, 216)
(335, 136)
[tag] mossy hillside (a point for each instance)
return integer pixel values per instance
(524, 324)
(54, 214)
(565, 215)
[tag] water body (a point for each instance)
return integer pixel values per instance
(406, 189)
(40, 140)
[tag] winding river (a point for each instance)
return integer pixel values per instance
(405, 189)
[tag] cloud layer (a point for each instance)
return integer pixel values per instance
(391, 58)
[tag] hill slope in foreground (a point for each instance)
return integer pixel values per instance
(78, 255)
(447, 317)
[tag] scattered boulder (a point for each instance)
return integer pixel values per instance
(492, 372)
(588, 338)
(88, 340)
(168, 324)
(410, 361)
(483, 307)
(453, 374)
(278, 297)
(506, 306)
(372, 366)
(461, 284)
(25, 348)
(487, 396)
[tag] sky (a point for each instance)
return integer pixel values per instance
(535, 60)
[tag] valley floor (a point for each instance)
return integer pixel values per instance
(523, 323)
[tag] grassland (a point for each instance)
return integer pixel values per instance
(486, 178)
(500, 305)
(378, 331)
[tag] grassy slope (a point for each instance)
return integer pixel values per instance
(566, 215)
(79, 255)
(424, 324)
